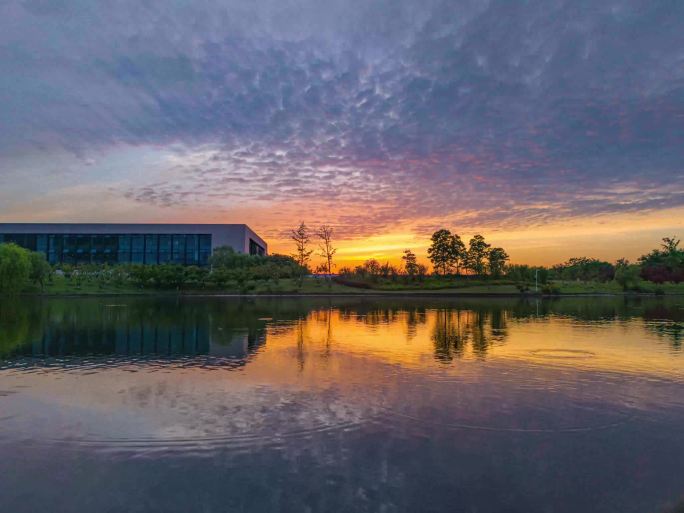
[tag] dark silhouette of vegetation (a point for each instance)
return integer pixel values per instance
(447, 252)
(327, 251)
(411, 265)
(665, 264)
(478, 250)
(584, 269)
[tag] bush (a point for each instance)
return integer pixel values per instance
(15, 268)
(40, 269)
(550, 289)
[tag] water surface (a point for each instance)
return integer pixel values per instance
(347, 404)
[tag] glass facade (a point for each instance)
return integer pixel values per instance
(256, 249)
(184, 249)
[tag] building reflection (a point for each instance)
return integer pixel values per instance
(78, 328)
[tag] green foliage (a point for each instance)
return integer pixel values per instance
(410, 264)
(584, 269)
(478, 251)
(446, 252)
(497, 259)
(665, 264)
(15, 268)
(627, 275)
(526, 274)
(551, 289)
(40, 269)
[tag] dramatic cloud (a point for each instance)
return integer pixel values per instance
(378, 113)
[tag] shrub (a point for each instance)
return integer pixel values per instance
(15, 268)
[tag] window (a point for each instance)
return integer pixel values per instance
(256, 249)
(151, 249)
(137, 249)
(191, 250)
(124, 249)
(178, 256)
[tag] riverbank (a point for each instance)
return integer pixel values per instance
(61, 286)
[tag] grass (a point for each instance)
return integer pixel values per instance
(61, 286)
(611, 287)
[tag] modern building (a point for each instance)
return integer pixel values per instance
(76, 243)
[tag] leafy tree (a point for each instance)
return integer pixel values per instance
(526, 274)
(478, 250)
(40, 269)
(15, 268)
(665, 264)
(497, 261)
(626, 274)
(458, 252)
(372, 268)
(387, 270)
(226, 257)
(584, 269)
(442, 251)
(410, 263)
(327, 251)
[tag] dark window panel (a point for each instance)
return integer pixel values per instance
(124, 242)
(165, 244)
(137, 243)
(42, 243)
(205, 242)
(151, 243)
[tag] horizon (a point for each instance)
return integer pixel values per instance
(386, 121)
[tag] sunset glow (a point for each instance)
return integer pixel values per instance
(551, 139)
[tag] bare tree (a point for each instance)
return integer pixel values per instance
(325, 233)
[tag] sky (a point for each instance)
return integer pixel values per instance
(553, 127)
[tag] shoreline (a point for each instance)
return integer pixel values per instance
(411, 294)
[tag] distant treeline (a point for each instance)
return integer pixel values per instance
(450, 258)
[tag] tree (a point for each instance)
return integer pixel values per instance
(447, 252)
(225, 257)
(584, 269)
(478, 250)
(327, 251)
(670, 245)
(15, 268)
(302, 254)
(457, 252)
(40, 269)
(626, 274)
(497, 261)
(665, 264)
(373, 268)
(301, 238)
(410, 263)
(441, 250)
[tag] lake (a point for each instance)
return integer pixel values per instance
(341, 405)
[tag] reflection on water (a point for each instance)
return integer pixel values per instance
(347, 404)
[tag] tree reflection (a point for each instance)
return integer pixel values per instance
(454, 328)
